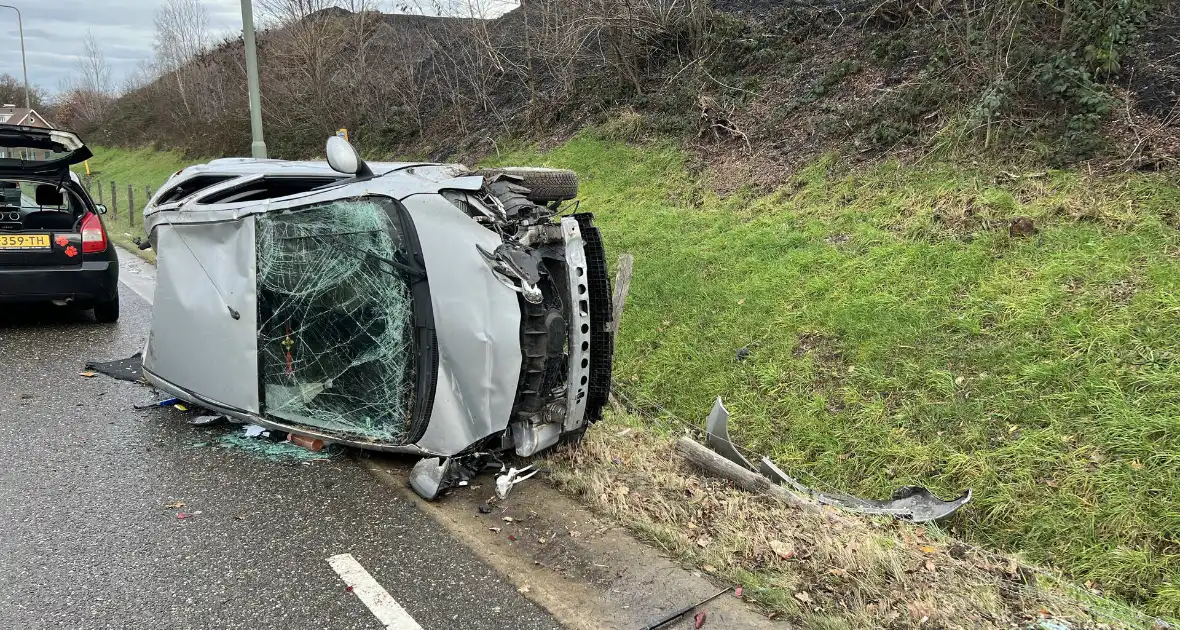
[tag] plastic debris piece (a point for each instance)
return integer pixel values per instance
(505, 482)
(717, 435)
(88, 374)
(129, 369)
(175, 505)
(180, 407)
(204, 421)
(253, 430)
(737, 592)
(484, 508)
(699, 619)
(348, 589)
(167, 402)
(913, 503)
(184, 515)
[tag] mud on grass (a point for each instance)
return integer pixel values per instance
(820, 570)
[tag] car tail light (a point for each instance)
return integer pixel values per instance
(94, 238)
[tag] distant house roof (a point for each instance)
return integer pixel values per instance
(12, 115)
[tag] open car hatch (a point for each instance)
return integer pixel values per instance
(38, 151)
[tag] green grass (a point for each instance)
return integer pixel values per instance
(898, 335)
(140, 168)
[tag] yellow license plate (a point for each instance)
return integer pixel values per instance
(24, 241)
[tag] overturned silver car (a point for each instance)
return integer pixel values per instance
(417, 308)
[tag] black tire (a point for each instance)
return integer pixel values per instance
(545, 184)
(107, 312)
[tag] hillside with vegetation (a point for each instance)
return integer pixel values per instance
(907, 241)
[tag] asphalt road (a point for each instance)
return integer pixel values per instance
(86, 539)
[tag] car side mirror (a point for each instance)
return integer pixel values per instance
(100, 208)
(344, 158)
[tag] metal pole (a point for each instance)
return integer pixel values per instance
(20, 25)
(258, 146)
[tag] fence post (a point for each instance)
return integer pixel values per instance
(130, 205)
(114, 200)
(100, 192)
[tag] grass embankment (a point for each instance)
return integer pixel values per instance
(897, 334)
(141, 168)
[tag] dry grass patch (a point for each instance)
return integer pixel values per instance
(822, 570)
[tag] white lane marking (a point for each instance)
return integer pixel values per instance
(383, 607)
(137, 274)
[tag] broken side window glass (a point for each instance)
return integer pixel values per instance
(336, 342)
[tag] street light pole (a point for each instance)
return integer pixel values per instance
(258, 146)
(24, 65)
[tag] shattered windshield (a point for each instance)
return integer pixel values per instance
(336, 342)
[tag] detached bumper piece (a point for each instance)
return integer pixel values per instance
(911, 503)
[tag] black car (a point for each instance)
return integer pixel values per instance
(53, 244)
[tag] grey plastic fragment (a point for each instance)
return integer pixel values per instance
(429, 477)
(913, 503)
(717, 430)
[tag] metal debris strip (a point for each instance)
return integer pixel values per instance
(913, 503)
(336, 349)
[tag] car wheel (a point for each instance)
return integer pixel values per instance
(544, 184)
(107, 312)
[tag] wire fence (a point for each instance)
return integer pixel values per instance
(116, 198)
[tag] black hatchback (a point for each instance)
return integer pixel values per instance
(53, 244)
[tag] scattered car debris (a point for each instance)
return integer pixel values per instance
(208, 420)
(912, 503)
(88, 374)
(271, 449)
(425, 309)
(129, 369)
(175, 505)
(253, 430)
(717, 434)
(698, 619)
(167, 402)
(506, 481)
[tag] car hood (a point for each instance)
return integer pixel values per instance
(39, 151)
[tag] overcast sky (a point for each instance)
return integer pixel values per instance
(54, 30)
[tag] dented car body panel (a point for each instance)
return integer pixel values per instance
(371, 311)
